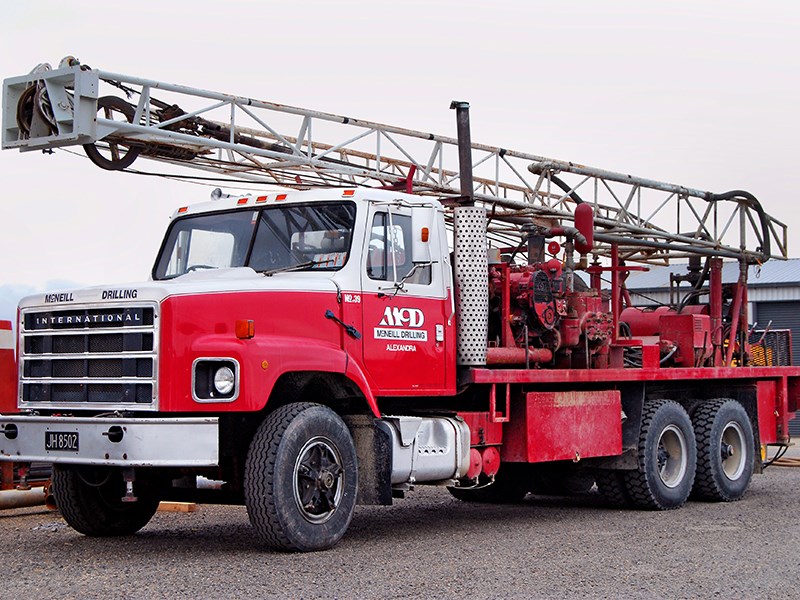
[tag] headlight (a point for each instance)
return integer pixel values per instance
(215, 380)
(224, 380)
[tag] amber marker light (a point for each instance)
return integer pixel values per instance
(425, 234)
(245, 329)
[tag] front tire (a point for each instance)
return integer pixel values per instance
(725, 451)
(301, 478)
(90, 500)
(667, 457)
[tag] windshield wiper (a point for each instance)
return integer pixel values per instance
(297, 267)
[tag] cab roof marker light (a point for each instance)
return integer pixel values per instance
(242, 201)
(280, 197)
(261, 199)
(348, 193)
(183, 209)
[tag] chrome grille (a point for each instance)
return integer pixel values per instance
(103, 356)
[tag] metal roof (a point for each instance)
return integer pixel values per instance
(773, 273)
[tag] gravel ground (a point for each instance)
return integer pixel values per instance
(432, 546)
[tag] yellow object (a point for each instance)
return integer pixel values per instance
(177, 507)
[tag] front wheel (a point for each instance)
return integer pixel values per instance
(90, 500)
(667, 457)
(725, 451)
(301, 478)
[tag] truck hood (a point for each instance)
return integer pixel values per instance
(240, 279)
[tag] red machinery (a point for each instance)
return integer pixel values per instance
(384, 328)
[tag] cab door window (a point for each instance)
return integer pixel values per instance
(389, 251)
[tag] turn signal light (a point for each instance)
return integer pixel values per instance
(245, 329)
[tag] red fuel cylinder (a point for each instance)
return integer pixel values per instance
(491, 461)
(584, 222)
(475, 463)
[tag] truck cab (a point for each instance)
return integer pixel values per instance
(254, 303)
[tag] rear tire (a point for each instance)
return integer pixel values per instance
(667, 457)
(90, 500)
(725, 451)
(301, 478)
(611, 487)
(559, 479)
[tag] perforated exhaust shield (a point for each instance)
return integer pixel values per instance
(472, 284)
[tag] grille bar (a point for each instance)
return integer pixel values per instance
(70, 381)
(96, 330)
(100, 356)
(90, 355)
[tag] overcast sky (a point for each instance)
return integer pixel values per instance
(700, 93)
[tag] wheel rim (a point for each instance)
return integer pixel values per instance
(318, 480)
(672, 461)
(733, 451)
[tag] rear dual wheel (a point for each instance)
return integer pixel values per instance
(710, 456)
(725, 451)
(667, 456)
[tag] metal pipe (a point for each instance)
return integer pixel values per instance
(518, 356)
(564, 166)
(735, 310)
(691, 247)
(744, 348)
(715, 306)
(464, 150)
(615, 291)
(22, 498)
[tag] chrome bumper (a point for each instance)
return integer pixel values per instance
(143, 442)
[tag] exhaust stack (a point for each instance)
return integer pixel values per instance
(470, 257)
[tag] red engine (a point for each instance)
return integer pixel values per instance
(536, 319)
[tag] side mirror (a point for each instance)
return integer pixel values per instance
(423, 225)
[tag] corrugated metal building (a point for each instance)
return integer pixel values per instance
(773, 296)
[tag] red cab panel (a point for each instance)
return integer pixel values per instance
(8, 370)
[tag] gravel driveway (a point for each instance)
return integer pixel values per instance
(431, 545)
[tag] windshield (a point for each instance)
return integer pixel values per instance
(291, 237)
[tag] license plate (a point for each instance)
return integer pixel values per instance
(61, 441)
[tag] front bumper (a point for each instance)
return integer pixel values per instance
(125, 442)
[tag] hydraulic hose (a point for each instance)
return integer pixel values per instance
(751, 202)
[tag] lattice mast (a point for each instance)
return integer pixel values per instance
(119, 119)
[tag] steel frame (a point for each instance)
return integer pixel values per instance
(264, 142)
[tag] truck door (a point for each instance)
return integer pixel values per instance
(405, 307)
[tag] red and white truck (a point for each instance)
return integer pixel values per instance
(377, 328)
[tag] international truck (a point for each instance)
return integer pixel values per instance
(383, 322)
